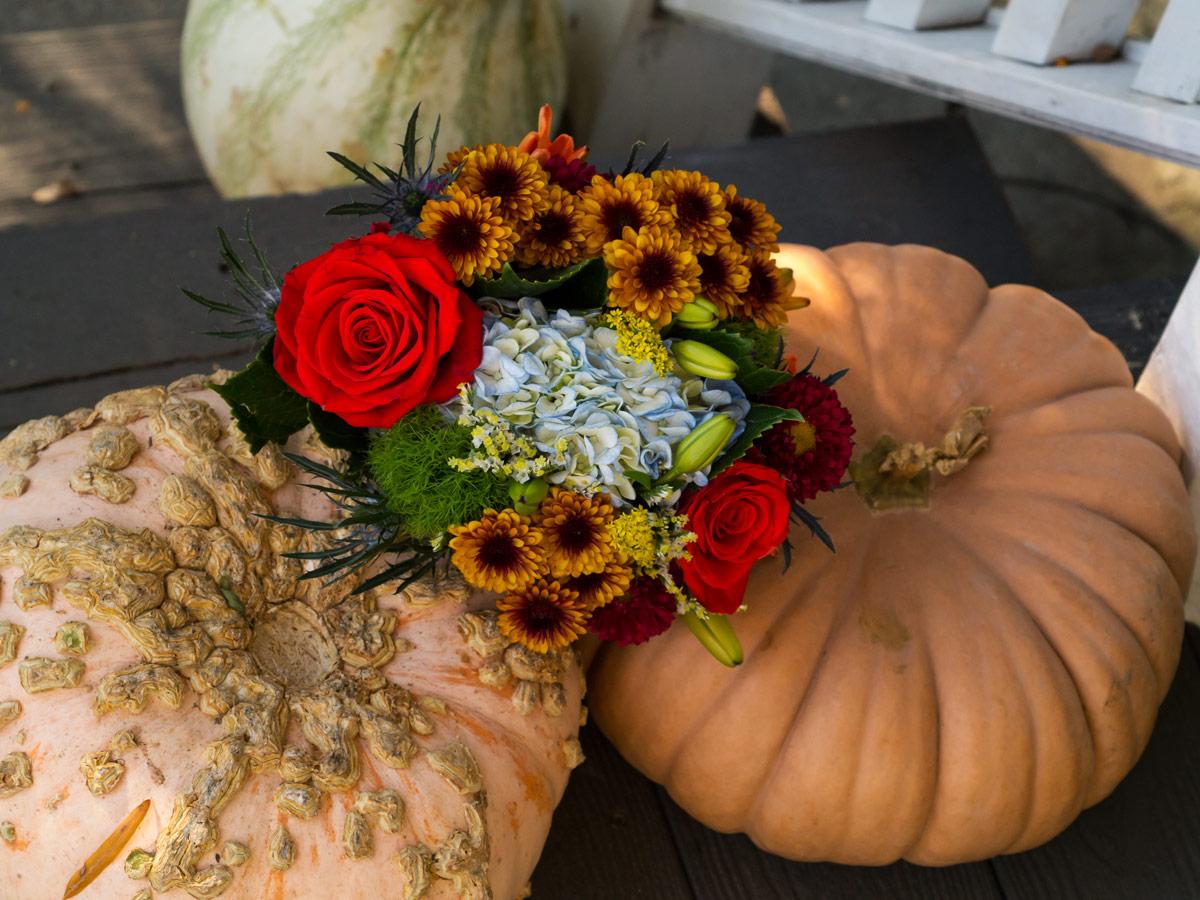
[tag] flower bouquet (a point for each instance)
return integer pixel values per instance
(568, 386)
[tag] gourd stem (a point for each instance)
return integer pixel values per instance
(895, 476)
(717, 636)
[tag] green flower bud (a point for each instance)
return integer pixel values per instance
(702, 360)
(702, 446)
(699, 315)
(717, 636)
(526, 497)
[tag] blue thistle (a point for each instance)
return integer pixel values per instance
(399, 195)
(257, 294)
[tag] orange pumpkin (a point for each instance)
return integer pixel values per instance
(976, 664)
(287, 739)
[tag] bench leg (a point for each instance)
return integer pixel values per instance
(640, 74)
(1172, 379)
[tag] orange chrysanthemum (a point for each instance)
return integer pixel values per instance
(500, 552)
(539, 145)
(597, 589)
(651, 273)
(724, 275)
(575, 532)
(609, 207)
(750, 224)
(697, 208)
(510, 175)
(554, 237)
(544, 616)
(471, 233)
(768, 296)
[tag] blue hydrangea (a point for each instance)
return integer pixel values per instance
(605, 420)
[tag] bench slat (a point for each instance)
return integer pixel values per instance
(1096, 100)
(917, 14)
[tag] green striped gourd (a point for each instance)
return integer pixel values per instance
(269, 86)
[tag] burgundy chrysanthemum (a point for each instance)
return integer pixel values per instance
(647, 610)
(811, 455)
(573, 175)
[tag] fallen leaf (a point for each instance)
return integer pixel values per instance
(106, 852)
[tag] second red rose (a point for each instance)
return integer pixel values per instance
(738, 518)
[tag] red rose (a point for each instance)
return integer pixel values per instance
(738, 517)
(374, 327)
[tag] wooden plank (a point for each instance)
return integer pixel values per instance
(102, 297)
(1172, 65)
(958, 65)
(918, 14)
(610, 837)
(723, 866)
(1045, 31)
(1172, 379)
(99, 107)
(1140, 842)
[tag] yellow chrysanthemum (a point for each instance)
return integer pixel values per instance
(609, 207)
(651, 273)
(500, 552)
(510, 175)
(724, 276)
(554, 236)
(598, 589)
(768, 296)
(697, 208)
(455, 158)
(544, 616)
(471, 233)
(575, 532)
(750, 224)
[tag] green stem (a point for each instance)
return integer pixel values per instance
(717, 636)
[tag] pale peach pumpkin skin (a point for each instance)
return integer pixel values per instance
(956, 682)
(58, 822)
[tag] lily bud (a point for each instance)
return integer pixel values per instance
(717, 636)
(700, 359)
(702, 446)
(699, 315)
(526, 497)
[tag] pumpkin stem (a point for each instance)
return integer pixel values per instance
(900, 476)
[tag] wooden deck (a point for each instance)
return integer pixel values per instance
(93, 306)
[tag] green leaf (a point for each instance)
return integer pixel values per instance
(512, 285)
(335, 432)
(760, 381)
(759, 420)
(264, 407)
(586, 290)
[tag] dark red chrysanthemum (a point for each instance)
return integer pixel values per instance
(646, 611)
(573, 175)
(811, 455)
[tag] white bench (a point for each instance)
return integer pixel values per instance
(663, 70)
